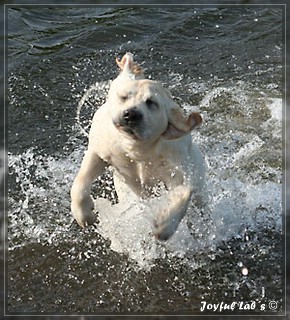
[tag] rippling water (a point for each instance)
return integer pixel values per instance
(227, 64)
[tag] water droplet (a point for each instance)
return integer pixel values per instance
(245, 271)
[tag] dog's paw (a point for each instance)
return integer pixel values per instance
(167, 219)
(165, 225)
(84, 213)
(165, 230)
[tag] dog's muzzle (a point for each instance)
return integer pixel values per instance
(130, 121)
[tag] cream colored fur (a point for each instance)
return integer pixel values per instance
(142, 133)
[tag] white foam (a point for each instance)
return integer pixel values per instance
(276, 109)
(235, 207)
(40, 213)
(129, 229)
(238, 206)
(248, 149)
(275, 122)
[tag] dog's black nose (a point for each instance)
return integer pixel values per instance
(132, 116)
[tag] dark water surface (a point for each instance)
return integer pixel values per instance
(226, 63)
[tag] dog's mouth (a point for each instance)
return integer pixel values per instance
(132, 131)
(126, 129)
(131, 122)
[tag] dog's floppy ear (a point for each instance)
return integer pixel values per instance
(179, 125)
(128, 65)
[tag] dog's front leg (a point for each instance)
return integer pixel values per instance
(168, 217)
(81, 201)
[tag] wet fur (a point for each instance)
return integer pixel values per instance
(142, 133)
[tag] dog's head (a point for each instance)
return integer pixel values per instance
(143, 109)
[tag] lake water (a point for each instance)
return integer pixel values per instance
(227, 63)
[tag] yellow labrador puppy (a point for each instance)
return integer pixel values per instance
(142, 133)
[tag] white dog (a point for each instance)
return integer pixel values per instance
(142, 133)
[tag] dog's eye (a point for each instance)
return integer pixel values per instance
(123, 98)
(151, 104)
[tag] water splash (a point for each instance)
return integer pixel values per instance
(93, 98)
(38, 197)
(274, 124)
(240, 198)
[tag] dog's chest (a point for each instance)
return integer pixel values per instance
(147, 176)
(142, 174)
(142, 170)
